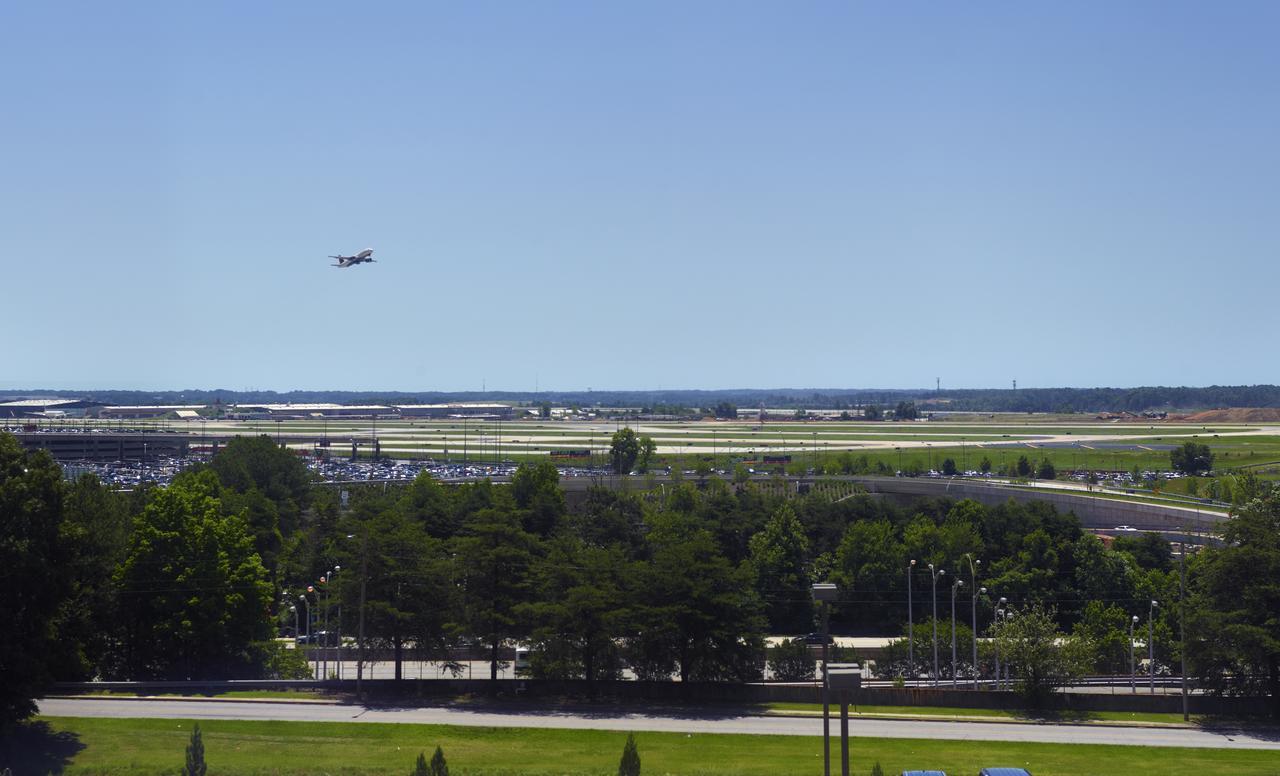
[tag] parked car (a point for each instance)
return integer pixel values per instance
(924, 773)
(1003, 772)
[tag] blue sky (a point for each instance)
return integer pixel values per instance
(645, 195)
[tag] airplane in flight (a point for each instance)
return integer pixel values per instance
(351, 261)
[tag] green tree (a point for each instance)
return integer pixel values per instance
(582, 607)
(257, 463)
(438, 765)
(791, 661)
(647, 450)
(872, 412)
(697, 612)
(1192, 458)
(780, 554)
(420, 767)
(876, 770)
(536, 489)
(1148, 549)
(949, 467)
(906, 410)
(194, 595)
(544, 410)
(630, 763)
(726, 410)
(624, 449)
(33, 563)
(495, 557)
(195, 765)
(1038, 654)
(985, 465)
(410, 599)
(1234, 644)
(1024, 466)
(94, 535)
(1046, 470)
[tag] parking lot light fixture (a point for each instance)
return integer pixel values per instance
(1151, 644)
(955, 587)
(911, 628)
(1133, 681)
(824, 593)
(935, 573)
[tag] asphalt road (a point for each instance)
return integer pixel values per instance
(674, 722)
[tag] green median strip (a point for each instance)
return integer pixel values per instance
(119, 746)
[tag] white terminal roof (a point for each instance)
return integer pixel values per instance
(452, 405)
(313, 407)
(40, 402)
(173, 407)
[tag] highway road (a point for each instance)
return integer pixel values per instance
(672, 721)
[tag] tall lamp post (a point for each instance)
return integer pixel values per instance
(935, 573)
(338, 660)
(1133, 673)
(995, 621)
(955, 586)
(1151, 644)
(911, 628)
(973, 614)
(824, 593)
(306, 605)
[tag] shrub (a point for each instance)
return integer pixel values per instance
(630, 764)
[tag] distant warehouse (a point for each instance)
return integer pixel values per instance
(179, 411)
(457, 410)
(304, 411)
(46, 408)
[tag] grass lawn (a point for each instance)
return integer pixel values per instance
(117, 746)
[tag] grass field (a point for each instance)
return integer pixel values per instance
(119, 746)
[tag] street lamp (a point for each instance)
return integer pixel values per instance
(995, 622)
(338, 660)
(973, 623)
(824, 593)
(306, 604)
(935, 573)
(1151, 644)
(1133, 681)
(911, 627)
(955, 586)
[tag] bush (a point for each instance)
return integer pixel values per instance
(791, 661)
(195, 755)
(630, 764)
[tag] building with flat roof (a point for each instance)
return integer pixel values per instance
(180, 411)
(46, 408)
(484, 410)
(303, 411)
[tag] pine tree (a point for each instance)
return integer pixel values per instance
(877, 770)
(195, 755)
(630, 765)
(438, 765)
(420, 768)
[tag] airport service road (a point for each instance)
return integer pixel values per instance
(690, 721)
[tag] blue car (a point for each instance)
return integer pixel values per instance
(1003, 772)
(924, 773)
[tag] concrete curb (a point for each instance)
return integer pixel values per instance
(987, 720)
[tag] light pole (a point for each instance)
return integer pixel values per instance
(294, 609)
(911, 627)
(1151, 644)
(973, 622)
(338, 660)
(1133, 680)
(955, 587)
(306, 605)
(935, 573)
(995, 622)
(824, 593)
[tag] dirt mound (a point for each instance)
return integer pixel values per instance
(1237, 415)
